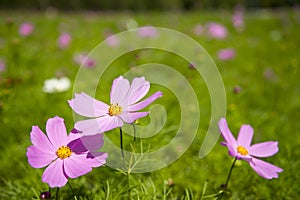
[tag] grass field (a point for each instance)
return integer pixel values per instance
(261, 82)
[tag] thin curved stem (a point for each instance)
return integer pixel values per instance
(72, 190)
(222, 192)
(229, 174)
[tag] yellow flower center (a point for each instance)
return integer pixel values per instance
(63, 152)
(114, 110)
(241, 150)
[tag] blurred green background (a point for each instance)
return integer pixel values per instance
(142, 4)
(261, 80)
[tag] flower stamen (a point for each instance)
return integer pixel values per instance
(63, 152)
(242, 150)
(114, 110)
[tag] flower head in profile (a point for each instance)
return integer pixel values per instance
(242, 149)
(67, 156)
(26, 29)
(124, 104)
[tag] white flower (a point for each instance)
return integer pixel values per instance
(56, 85)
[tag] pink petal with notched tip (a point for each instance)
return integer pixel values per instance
(138, 89)
(264, 149)
(38, 158)
(98, 125)
(119, 90)
(56, 131)
(265, 169)
(130, 117)
(87, 106)
(54, 174)
(99, 158)
(226, 133)
(144, 103)
(245, 136)
(77, 165)
(39, 139)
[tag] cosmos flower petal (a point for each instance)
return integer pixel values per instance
(98, 125)
(77, 165)
(144, 103)
(87, 106)
(265, 169)
(56, 131)
(130, 117)
(119, 90)
(54, 174)
(39, 139)
(99, 158)
(87, 143)
(226, 133)
(138, 89)
(37, 158)
(245, 136)
(264, 149)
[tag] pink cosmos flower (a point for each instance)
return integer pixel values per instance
(216, 30)
(84, 60)
(2, 66)
(67, 156)
(123, 106)
(226, 54)
(148, 31)
(112, 41)
(242, 149)
(26, 29)
(198, 30)
(64, 40)
(238, 18)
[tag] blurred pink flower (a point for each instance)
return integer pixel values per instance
(226, 54)
(64, 40)
(26, 29)
(238, 18)
(112, 41)
(242, 149)
(2, 65)
(198, 30)
(148, 31)
(123, 108)
(84, 60)
(66, 156)
(216, 30)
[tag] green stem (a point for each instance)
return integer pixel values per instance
(222, 192)
(129, 189)
(121, 144)
(122, 153)
(72, 190)
(229, 174)
(134, 132)
(56, 195)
